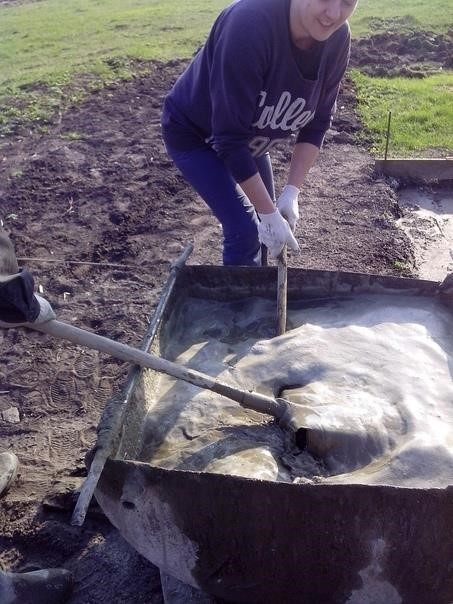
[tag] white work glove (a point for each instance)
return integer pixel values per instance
(46, 312)
(288, 205)
(275, 232)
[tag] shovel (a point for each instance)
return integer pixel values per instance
(289, 416)
(300, 421)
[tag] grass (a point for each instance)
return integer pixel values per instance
(403, 267)
(421, 113)
(50, 40)
(402, 16)
(53, 53)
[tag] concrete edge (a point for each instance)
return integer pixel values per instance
(424, 169)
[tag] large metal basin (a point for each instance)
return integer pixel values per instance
(248, 540)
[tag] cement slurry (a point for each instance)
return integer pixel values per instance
(374, 371)
(428, 222)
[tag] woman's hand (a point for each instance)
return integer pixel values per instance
(274, 232)
(288, 205)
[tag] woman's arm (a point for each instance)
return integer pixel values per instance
(303, 158)
(256, 191)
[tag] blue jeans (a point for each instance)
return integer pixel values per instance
(210, 178)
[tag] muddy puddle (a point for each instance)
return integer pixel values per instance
(428, 222)
(372, 373)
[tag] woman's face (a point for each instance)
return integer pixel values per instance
(312, 20)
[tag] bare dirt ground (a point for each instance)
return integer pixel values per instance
(97, 212)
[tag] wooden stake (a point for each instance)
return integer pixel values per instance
(282, 290)
(388, 135)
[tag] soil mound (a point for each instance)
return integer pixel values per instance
(414, 54)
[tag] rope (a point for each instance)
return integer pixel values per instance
(80, 262)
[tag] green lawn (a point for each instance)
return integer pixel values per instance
(52, 39)
(421, 113)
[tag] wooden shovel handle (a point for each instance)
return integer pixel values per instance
(249, 399)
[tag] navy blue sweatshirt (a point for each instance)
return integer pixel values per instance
(249, 87)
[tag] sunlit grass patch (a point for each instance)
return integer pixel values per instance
(48, 39)
(421, 113)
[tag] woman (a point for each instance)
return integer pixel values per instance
(268, 70)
